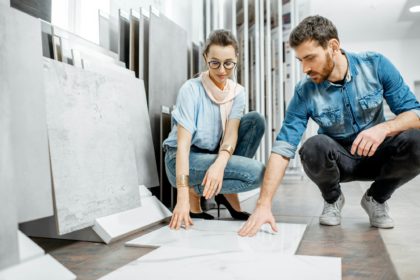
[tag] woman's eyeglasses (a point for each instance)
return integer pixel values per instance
(228, 65)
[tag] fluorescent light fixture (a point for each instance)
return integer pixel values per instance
(415, 9)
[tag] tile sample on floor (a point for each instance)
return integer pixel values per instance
(92, 154)
(120, 225)
(182, 263)
(45, 267)
(222, 236)
(28, 249)
(164, 85)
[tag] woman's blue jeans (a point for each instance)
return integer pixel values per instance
(242, 173)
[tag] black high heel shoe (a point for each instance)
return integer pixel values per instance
(237, 215)
(202, 215)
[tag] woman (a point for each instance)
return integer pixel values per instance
(210, 148)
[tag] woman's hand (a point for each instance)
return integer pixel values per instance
(181, 215)
(213, 180)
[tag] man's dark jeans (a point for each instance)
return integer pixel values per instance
(395, 162)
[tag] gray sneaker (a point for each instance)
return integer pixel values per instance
(378, 212)
(331, 215)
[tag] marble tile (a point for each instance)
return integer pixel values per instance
(163, 33)
(210, 265)
(222, 236)
(22, 59)
(28, 249)
(45, 267)
(92, 153)
(120, 225)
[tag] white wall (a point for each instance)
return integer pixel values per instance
(404, 54)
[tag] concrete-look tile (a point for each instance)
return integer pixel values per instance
(209, 264)
(136, 106)
(92, 154)
(223, 236)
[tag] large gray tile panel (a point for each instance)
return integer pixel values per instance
(92, 153)
(142, 135)
(8, 213)
(33, 185)
(168, 47)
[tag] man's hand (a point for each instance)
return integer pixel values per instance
(261, 215)
(368, 141)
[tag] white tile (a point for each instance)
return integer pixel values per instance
(22, 59)
(28, 249)
(41, 268)
(223, 237)
(92, 153)
(180, 263)
(144, 192)
(117, 226)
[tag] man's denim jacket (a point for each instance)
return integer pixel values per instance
(342, 111)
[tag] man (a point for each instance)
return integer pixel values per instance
(344, 92)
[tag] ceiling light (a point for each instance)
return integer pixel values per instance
(415, 9)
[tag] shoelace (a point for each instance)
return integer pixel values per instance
(330, 208)
(381, 210)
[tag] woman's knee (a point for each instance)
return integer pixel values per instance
(256, 172)
(256, 120)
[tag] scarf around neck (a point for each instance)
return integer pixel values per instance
(224, 98)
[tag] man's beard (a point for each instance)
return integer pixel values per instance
(326, 71)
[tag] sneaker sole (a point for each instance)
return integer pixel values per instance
(324, 223)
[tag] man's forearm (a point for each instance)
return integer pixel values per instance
(274, 173)
(402, 122)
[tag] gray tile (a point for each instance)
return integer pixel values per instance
(22, 60)
(8, 214)
(167, 46)
(90, 136)
(30, 143)
(137, 108)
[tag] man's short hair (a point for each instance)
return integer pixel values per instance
(315, 28)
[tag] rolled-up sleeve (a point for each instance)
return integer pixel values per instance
(238, 106)
(396, 92)
(185, 109)
(294, 125)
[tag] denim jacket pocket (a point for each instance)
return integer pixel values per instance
(371, 104)
(371, 100)
(329, 118)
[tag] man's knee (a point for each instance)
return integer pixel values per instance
(410, 143)
(315, 147)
